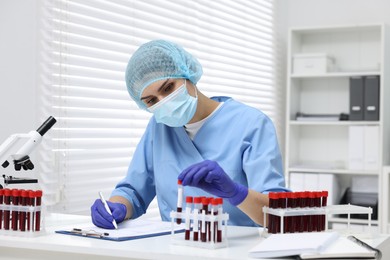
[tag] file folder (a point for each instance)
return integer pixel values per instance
(371, 98)
(356, 99)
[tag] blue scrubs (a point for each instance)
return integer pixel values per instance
(240, 138)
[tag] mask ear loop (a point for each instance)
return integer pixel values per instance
(196, 90)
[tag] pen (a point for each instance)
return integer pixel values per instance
(107, 208)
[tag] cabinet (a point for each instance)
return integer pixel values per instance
(323, 145)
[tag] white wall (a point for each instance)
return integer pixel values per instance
(17, 67)
(305, 13)
(333, 12)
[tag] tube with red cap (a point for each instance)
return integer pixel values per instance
(1, 211)
(31, 216)
(23, 214)
(7, 201)
(204, 226)
(219, 227)
(189, 201)
(15, 213)
(38, 199)
(324, 202)
(197, 211)
(273, 220)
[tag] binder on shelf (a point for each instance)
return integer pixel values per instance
(371, 148)
(371, 98)
(356, 99)
(356, 148)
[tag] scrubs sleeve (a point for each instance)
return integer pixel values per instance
(138, 186)
(262, 161)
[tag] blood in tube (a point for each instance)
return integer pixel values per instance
(219, 227)
(282, 203)
(289, 221)
(31, 222)
(204, 226)
(189, 201)
(179, 199)
(38, 196)
(15, 213)
(324, 202)
(1, 202)
(7, 201)
(197, 211)
(28, 215)
(311, 227)
(214, 212)
(272, 219)
(22, 214)
(295, 219)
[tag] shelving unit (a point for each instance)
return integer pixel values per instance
(314, 147)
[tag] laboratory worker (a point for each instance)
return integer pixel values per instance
(216, 146)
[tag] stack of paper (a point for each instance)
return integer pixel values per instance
(314, 245)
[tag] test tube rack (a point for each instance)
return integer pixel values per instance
(325, 211)
(21, 220)
(220, 223)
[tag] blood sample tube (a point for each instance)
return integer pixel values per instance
(311, 204)
(317, 204)
(305, 201)
(203, 230)
(214, 212)
(7, 201)
(301, 204)
(179, 199)
(38, 197)
(219, 227)
(15, 213)
(289, 221)
(30, 216)
(197, 211)
(22, 214)
(208, 223)
(1, 210)
(296, 203)
(282, 203)
(324, 202)
(189, 201)
(273, 219)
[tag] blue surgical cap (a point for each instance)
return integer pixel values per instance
(157, 60)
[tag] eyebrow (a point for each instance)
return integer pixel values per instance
(158, 90)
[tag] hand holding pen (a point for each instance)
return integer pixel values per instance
(108, 214)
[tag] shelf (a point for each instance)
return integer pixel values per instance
(353, 221)
(337, 75)
(333, 123)
(331, 170)
(329, 148)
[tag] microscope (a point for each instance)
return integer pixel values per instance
(18, 147)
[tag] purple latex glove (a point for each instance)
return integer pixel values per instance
(100, 216)
(209, 176)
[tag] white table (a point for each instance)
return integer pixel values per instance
(57, 246)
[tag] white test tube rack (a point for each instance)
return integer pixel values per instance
(194, 217)
(31, 210)
(346, 209)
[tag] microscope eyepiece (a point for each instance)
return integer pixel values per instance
(46, 125)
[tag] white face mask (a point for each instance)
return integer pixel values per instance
(177, 109)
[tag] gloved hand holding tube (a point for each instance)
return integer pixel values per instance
(100, 216)
(210, 177)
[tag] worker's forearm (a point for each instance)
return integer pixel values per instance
(124, 201)
(253, 206)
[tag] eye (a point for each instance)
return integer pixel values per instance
(150, 101)
(168, 87)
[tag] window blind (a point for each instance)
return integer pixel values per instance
(85, 46)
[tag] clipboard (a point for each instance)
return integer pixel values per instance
(127, 230)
